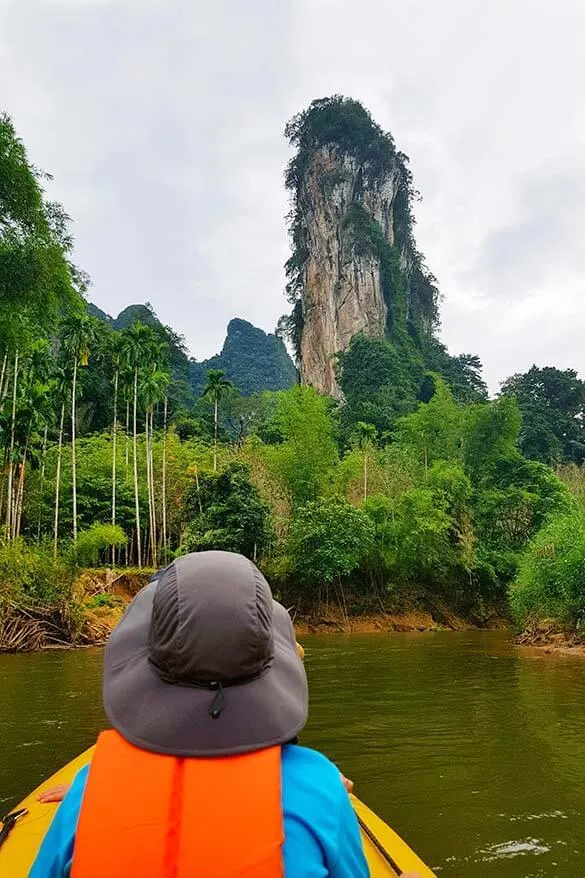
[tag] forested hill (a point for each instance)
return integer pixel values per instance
(253, 360)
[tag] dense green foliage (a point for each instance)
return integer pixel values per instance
(328, 541)
(252, 360)
(225, 511)
(551, 580)
(379, 384)
(552, 403)
(92, 544)
(385, 378)
(99, 375)
(303, 458)
(36, 278)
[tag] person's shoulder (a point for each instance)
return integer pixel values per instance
(318, 818)
(308, 773)
(296, 757)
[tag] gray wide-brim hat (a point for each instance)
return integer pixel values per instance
(204, 662)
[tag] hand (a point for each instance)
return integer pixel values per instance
(54, 794)
(348, 784)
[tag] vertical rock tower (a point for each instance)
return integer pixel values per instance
(354, 267)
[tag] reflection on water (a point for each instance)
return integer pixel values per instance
(471, 748)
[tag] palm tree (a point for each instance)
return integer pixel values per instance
(154, 386)
(42, 481)
(78, 333)
(127, 387)
(164, 480)
(9, 492)
(37, 374)
(117, 358)
(2, 374)
(215, 387)
(35, 410)
(61, 384)
(136, 341)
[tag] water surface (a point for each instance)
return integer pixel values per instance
(471, 748)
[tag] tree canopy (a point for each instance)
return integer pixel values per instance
(552, 404)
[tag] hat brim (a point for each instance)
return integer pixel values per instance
(174, 719)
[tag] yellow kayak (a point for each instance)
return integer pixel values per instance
(385, 851)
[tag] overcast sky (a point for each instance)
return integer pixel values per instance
(162, 120)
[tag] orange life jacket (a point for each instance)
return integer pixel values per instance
(153, 816)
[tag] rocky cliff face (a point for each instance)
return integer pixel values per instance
(355, 268)
(342, 282)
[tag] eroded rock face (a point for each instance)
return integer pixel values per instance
(342, 290)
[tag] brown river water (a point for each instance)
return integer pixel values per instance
(472, 748)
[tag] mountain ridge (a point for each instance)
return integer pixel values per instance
(252, 359)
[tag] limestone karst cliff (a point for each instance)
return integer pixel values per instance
(355, 267)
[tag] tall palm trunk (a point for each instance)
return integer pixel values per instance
(58, 480)
(148, 486)
(2, 481)
(2, 390)
(20, 492)
(42, 484)
(366, 449)
(114, 448)
(136, 497)
(164, 482)
(9, 492)
(154, 538)
(126, 454)
(215, 437)
(150, 479)
(73, 455)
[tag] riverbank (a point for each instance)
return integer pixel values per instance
(417, 611)
(550, 639)
(99, 598)
(82, 613)
(334, 620)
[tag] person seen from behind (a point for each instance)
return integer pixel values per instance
(205, 692)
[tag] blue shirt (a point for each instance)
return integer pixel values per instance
(322, 836)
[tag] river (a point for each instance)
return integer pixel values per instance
(470, 747)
